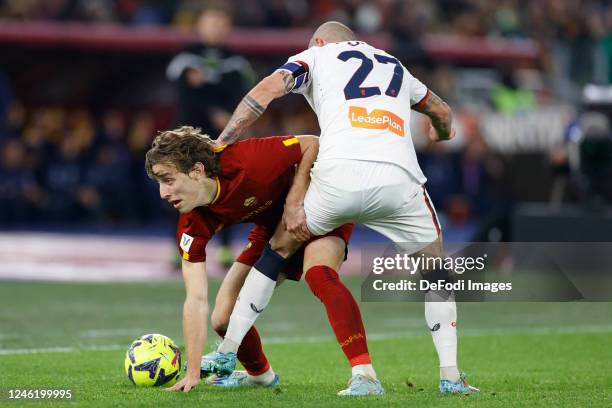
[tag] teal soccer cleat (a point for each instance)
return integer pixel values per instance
(240, 379)
(459, 387)
(221, 364)
(361, 385)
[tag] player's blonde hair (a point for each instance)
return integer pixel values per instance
(182, 148)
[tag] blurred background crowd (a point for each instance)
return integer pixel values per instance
(528, 82)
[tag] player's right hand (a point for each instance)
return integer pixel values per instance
(185, 385)
(434, 136)
(294, 218)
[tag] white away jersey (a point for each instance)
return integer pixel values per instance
(362, 97)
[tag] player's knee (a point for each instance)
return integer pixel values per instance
(285, 246)
(271, 263)
(219, 318)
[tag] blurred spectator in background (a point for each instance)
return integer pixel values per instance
(108, 166)
(210, 80)
(68, 200)
(6, 99)
(19, 193)
(145, 195)
(509, 98)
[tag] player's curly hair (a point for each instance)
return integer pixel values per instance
(183, 148)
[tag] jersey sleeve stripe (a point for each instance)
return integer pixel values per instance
(422, 101)
(292, 141)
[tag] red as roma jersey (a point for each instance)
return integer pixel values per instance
(255, 177)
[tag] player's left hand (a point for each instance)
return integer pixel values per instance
(294, 218)
(185, 385)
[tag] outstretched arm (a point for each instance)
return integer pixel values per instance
(195, 317)
(441, 117)
(254, 104)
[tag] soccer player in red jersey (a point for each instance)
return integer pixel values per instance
(252, 181)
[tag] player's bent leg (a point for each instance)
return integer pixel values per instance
(250, 353)
(254, 296)
(322, 258)
(228, 292)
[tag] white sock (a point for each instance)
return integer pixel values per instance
(228, 345)
(449, 373)
(364, 369)
(441, 317)
(265, 378)
(252, 299)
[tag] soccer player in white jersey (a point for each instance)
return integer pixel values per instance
(366, 172)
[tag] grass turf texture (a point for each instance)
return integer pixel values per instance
(535, 354)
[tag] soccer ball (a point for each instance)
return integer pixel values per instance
(153, 360)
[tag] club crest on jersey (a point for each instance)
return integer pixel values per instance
(250, 201)
(186, 241)
(377, 119)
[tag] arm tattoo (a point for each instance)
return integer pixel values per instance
(439, 113)
(288, 81)
(253, 105)
(246, 113)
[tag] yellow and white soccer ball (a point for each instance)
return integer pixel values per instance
(153, 360)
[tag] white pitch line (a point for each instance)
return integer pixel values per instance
(330, 339)
(11, 352)
(112, 332)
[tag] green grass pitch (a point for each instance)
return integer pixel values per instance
(531, 354)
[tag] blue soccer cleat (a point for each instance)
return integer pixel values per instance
(459, 387)
(362, 385)
(241, 379)
(221, 364)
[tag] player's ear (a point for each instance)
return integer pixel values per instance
(198, 171)
(318, 41)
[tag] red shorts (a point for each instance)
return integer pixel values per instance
(260, 236)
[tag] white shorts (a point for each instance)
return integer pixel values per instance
(382, 196)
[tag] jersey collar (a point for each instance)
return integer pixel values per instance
(218, 191)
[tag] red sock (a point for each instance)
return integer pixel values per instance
(250, 353)
(342, 312)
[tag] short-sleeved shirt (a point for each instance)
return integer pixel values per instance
(362, 97)
(255, 177)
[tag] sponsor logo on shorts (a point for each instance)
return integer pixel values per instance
(186, 241)
(250, 201)
(377, 119)
(436, 327)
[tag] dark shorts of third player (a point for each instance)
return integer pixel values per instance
(260, 236)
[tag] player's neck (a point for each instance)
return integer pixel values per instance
(210, 190)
